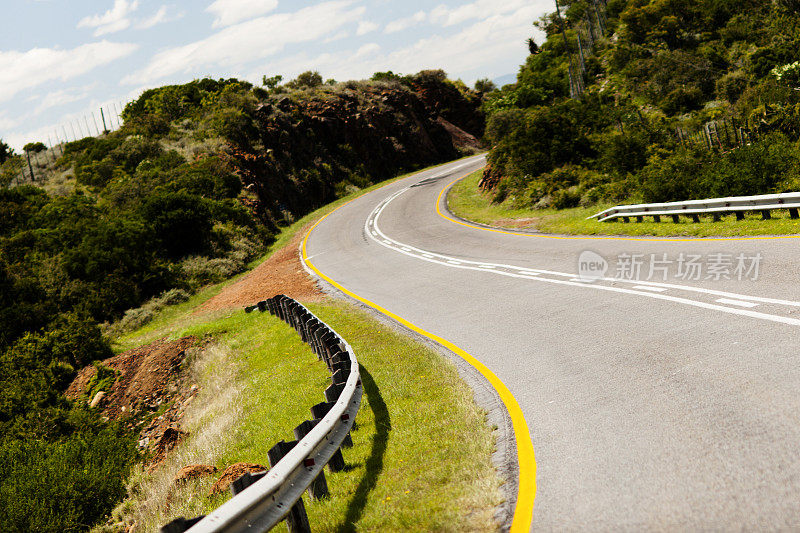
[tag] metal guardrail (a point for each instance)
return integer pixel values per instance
(262, 500)
(717, 207)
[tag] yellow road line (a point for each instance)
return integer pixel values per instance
(598, 237)
(523, 513)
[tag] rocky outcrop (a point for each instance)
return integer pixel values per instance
(302, 150)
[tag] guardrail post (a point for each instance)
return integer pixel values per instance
(297, 519)
(245, 480)
(336, 464)
(656, 218)
(179, 525)
(695, 218)
(319, 487)
(739, 215)
(765, 215)
(793, 213)
(676, 219)
(717, 217)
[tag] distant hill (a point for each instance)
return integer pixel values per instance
(505, 80)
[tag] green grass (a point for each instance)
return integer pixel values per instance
(421, 458)
(470, 203)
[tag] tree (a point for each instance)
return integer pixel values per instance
(272, 82)
(533, 48)
(35, 147)
(308, 78)
(485, 85)
(6, 152)
(385, 76)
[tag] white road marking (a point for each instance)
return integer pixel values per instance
(649, 288)
(444, 260)
(737, 302)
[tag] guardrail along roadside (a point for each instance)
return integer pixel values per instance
(716, 207)
(263, 499)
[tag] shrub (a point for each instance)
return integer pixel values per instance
(202, 270)
(63, 486)
(731, 86)
(138, 317)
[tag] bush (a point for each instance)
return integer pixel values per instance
(136, 318)
(63, 486)
(682, 100)
(180, 221)
(202, 270)
(731, 86)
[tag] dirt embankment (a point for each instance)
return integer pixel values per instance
(282, 273)
(149, 394)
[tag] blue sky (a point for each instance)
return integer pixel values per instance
(62, 59)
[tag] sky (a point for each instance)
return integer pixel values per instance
(62, 60)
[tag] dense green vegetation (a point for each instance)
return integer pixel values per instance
(191, 189)
(664, 69)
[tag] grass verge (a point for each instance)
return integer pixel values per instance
(470, 203)
(421, 458)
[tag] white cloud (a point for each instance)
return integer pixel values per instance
(490, 47)
(405, 23)
(115, 19)
(480, 9)
(232, 11)
(58, 98)
(20, 71)
(7, 123)
(255, 39)
(161, 16)
(365, 27)
(367, 50)
(344, 34)
(69, 126)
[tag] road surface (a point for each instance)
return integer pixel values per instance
(652, 404)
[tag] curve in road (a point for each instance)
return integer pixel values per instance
(652, 405)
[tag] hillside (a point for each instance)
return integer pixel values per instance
(189, 191)
(668, 100)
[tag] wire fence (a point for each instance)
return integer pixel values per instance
(723, 134)
(36, 163)
(588, 32)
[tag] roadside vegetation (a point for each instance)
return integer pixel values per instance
(122, 228)
(421, 458)
(467, 201)
(683, 100)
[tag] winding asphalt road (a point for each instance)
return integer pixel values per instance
(651, 404)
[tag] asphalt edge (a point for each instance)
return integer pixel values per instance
(510, 515)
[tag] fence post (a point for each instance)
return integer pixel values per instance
(103, 118)
(30, 167)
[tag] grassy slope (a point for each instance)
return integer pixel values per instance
(467, 201)
(422, 451)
